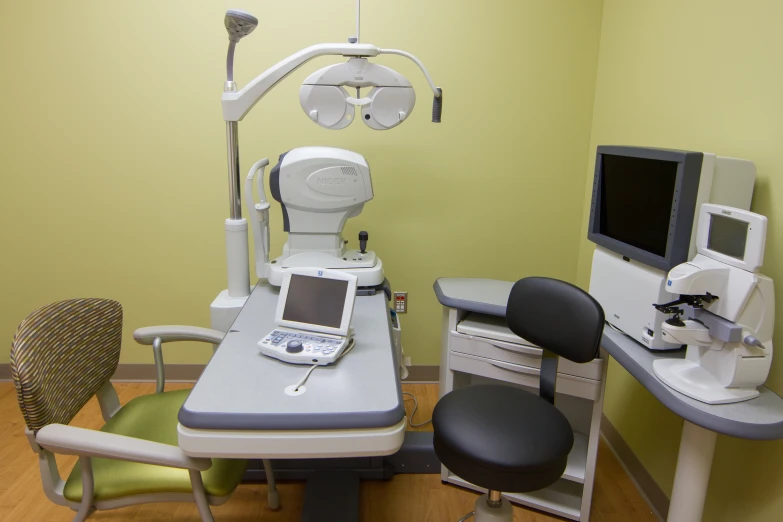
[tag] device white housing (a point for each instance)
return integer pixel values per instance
(347, 312)
(627, 290)
(624, 291)
(720, 370)
(320, 189)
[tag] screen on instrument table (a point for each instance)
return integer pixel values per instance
(727, 236)
(315, 300)
(636, 202)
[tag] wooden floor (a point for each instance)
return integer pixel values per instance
(414, 498)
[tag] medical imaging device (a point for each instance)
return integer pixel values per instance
(313, 317)
(729, 309)
(642, 219)
(318, 189)
(326, 185)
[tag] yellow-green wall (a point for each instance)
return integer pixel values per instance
(112, 148)
(701, 75)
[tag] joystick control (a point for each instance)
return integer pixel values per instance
(294, 347)
(363, 237)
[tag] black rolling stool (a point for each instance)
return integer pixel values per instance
(504, 438)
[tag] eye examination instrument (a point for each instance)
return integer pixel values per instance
(387, 101)
(318, 189)
(313, 317)
(643, 214)
(729, 311)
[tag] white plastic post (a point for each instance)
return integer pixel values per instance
(697, 446)
(237, 258)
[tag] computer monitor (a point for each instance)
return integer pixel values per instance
(644, 203)
(317, 300)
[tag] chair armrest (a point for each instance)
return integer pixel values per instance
(171, 333)
(70, 440)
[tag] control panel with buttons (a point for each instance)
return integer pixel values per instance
(300, 347)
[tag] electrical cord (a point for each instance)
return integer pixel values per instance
(415, 407)
(351, 344)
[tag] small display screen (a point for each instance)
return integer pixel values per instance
(636, 201)
(727, 236)
(315, 300)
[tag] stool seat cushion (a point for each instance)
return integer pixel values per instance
(501, 438)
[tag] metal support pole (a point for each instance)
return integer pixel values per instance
(234, 194)
(697, 445)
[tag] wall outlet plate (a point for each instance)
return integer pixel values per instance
(401, 302)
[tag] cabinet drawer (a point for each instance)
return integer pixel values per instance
(521, 354)
(522, 375)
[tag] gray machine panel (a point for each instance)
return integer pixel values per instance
(241, 389)
(484, 296)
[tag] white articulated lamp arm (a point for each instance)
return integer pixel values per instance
(435, 90)
(71, 440)
(237, 104)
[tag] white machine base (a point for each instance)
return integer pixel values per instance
(366, 276)
(224, 309)
(692, 380)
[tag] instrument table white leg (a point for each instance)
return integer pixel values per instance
(697, 446)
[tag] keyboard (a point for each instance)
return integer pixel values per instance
(300, 347)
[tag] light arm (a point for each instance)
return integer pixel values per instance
(237, 104)
(71, 440)
(435, 91)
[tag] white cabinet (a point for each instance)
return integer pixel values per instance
(479, 348)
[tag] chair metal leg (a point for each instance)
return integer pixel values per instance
(493, 508)
(463, 519)
(200, 496)
(272, 496)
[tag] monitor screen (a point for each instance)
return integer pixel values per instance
(727, 236)
(636, 201)
(315, 300)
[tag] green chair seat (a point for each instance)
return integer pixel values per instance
(151, 417)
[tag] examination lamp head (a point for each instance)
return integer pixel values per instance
(239, 24)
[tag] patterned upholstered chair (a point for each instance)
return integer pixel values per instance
(65, 353)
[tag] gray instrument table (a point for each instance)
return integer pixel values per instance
(760, 418)
(239, 407)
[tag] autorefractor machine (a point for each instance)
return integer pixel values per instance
(729, 309)
(318, 188)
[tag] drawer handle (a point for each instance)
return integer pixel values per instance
(527, 350)
(516, 368)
